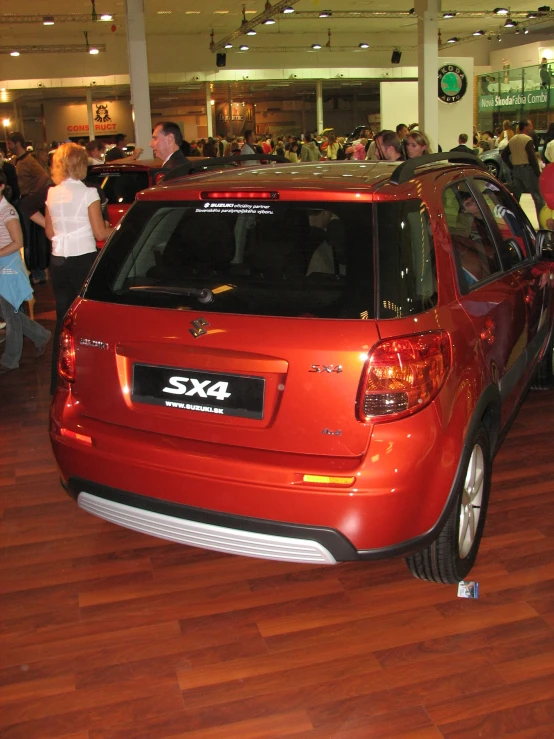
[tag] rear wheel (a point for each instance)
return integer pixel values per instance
(544, 374)
(452, 555)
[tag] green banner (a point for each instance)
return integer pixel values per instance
(528, 100)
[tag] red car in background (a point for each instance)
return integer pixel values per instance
(121, 182)
(307, 362)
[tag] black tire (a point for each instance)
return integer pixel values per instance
(452, 555)
(544, 374)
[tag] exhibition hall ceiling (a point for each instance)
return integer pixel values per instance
(333, 24)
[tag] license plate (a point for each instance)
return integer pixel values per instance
(203, 392)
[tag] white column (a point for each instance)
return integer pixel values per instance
(209, 111)
(319, 104)
(428, 62)
(138, 71)
(90, 117)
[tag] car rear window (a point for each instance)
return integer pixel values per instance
(270, 258)
(119, 187)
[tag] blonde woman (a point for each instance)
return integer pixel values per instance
(333, 147)
(73, 222)
(417, 144)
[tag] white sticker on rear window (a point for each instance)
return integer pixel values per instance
(257, 209)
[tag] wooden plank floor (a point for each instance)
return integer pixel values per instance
(109, 634)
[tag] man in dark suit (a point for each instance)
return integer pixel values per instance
(166, 142)
(462, 144)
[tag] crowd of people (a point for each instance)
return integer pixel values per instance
(50, 214)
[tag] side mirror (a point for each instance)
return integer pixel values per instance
(545, 245)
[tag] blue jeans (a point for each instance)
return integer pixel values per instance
(18, 325)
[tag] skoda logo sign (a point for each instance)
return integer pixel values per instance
(452, 83)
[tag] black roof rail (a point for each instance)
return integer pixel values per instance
(406, 170)
(190, 167)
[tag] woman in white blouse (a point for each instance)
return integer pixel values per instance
(73, 223)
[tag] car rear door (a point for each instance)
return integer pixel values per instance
(516, 242)
(491, 296)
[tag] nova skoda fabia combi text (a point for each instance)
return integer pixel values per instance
(313, 363)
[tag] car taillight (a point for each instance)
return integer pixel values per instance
(66, 356)
(403, 375)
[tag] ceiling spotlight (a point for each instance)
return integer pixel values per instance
(288, 9)
(243, 47)
(532, 15)
(501, 11)
(453, 40)
(525, 30)
(316, 46)
(449, 14)
(251, 32)
(228, 46)
(106, 17)
(510, 23)
(363, 46)
(93, 50)
(268, 22)
(14, 53)
(48, 20)
(325, 14)
(478, 33)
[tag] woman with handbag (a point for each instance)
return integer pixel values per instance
(15, 288)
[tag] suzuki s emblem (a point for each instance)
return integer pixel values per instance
(198, 329)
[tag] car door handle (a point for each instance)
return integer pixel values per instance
(488, 333)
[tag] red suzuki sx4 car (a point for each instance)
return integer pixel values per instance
(314, 362)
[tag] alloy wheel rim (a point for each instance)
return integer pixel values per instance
(472, 499)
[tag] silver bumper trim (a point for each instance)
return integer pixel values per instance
(206, 536)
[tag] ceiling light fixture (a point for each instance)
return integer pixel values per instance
(532, 15)
(48, 20)
(501, 11)
(251, 32)
(510, 23)
(243, 47)
(363, 46)
(449, 14)
(325, 14)
(525, 30)
(453, 40)
(228, 46)
(106, 17)
(288, 9)
(14, 53)
(316, 46)
(93, 50)
(478, 33)
(268, 22)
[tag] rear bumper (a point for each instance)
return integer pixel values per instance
(396, 505)
(221, 532)
(232, 534)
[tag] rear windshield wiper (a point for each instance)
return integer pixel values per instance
(203, 294)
